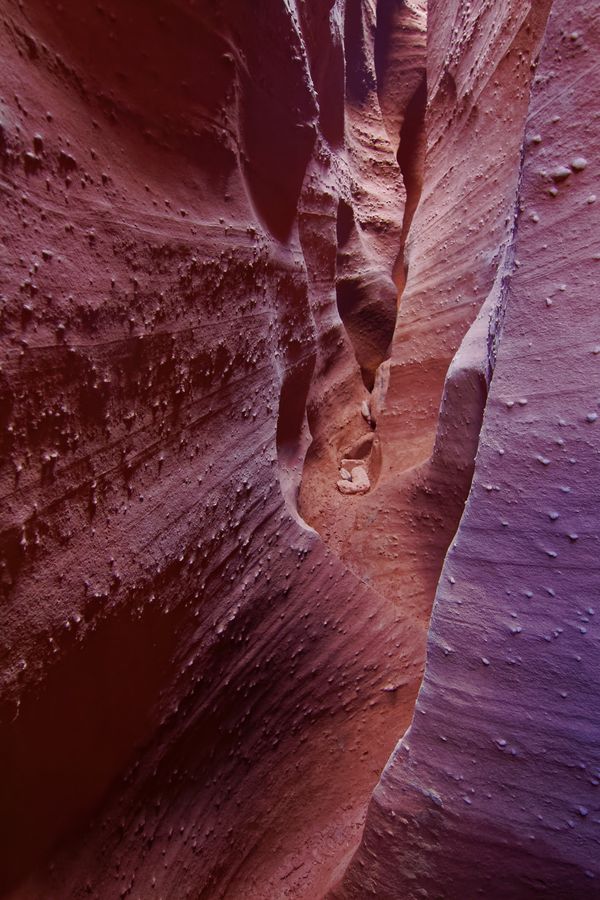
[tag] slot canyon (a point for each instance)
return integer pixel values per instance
(299, 449)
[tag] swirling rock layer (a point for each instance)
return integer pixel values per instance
(244, 244)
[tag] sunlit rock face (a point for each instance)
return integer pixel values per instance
(266, 268)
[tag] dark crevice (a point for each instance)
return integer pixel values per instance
(411, 160)
(344, 223)
(360, 79)
(292, 437)
(366, 298)
(366, 304)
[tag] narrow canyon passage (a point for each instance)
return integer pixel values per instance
(273, 280)
(412, 435)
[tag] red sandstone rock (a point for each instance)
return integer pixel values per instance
(492, 792)
(185, 664)
(239, 253)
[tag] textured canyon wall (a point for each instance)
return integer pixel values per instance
(197, 696)
(493, 791)
(243, 243)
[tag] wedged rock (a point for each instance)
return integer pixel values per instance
(359, 484)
